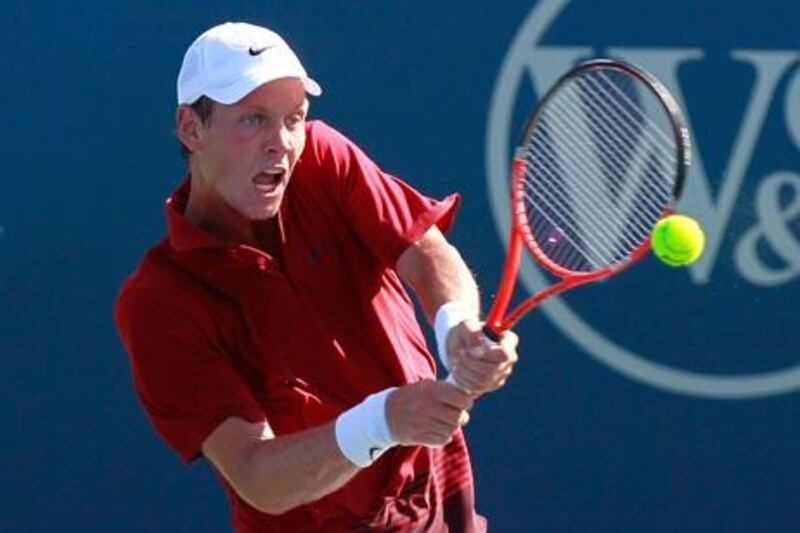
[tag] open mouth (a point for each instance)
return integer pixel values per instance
(269, 181)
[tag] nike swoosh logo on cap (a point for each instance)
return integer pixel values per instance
(257, 51)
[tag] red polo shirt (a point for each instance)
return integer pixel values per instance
(216, 329)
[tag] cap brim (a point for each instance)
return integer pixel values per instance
(235, 92)
(312, 87)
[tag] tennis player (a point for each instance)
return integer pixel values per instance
(270, 331)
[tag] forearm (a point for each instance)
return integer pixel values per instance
(277, 474)
(300, 468)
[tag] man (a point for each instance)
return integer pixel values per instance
(270, 331)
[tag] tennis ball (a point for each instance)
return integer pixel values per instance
(678, 240)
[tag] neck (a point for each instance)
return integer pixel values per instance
(209, 211)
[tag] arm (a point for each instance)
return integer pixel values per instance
(277, 474)
(200, 404)
(273, 474)
(438, 275)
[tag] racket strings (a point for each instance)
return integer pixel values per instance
(581, 161)
(555, 194)
(622, 132)
(554, 200)
(617, 128)
(611, 123)
(633, 108)
(587, 191)
(596, 250)
(600, 247)
(600, 172)
(566, 254)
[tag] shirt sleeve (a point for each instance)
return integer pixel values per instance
(186, 385)
(386, 213)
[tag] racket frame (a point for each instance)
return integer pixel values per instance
(520, 232)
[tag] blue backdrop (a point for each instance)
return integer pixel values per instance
(661, 400)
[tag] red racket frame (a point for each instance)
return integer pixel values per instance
(521, 233)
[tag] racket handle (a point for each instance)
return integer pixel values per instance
(492, 334)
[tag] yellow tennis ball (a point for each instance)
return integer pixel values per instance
(678, 240)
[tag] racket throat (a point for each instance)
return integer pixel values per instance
(504, 293)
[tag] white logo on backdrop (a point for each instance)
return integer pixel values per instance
(542, 65)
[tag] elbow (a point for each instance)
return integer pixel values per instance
(270, 498)
(243, 453)
(267, 501)
(273, 504)
(262, 499)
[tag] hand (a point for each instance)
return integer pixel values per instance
(427, 412)
(478, 364)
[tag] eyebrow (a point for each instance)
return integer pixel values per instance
(256, 107)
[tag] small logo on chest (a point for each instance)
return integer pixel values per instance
(314, 255)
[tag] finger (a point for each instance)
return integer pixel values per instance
(480, 380)
(445, 415)
(482, 367)
(469, 343)
(470, 379)
(500, 380)
(474, 387)
(477, 339)
(469, 332)
(466, 345)
(487, 349)
(497, 385)
(488, 355)
(433, 416)
(441, 427)
(453, 395)
(458, 380)
(510, 339)
(476, 351)
(500, 354)
(435, 438)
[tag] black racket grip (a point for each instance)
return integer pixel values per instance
(491, 334)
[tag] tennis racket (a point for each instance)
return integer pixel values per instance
(601, 159)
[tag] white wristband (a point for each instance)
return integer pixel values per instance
(362, 432)
(447, 316)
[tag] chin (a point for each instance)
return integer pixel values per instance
(260, 215)
(259, 210)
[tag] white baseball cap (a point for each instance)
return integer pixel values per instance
(230, 60)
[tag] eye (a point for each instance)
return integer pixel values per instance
(295, 119)
(252, 119)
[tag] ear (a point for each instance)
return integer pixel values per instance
(188, 127)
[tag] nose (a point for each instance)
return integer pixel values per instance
(277, 141)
